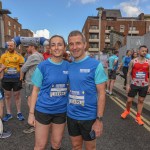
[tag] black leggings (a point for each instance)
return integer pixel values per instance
(125, 71)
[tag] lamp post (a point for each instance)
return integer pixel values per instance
(100, 10)
(2, 12)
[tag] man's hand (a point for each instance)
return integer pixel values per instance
(98, 128)
(128, 88)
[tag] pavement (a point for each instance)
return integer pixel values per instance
(118, 89)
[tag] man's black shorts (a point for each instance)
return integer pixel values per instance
(46, 119)
(16, 85)
(80, 127)
(112, 74)
(142, 91)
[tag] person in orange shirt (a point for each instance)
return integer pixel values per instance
(11, 63)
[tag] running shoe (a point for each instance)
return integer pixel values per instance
(125, 114)
(29, 129)
(20, 116)
(7, 117)
(5, 134)
(107, 91)
(139, 121)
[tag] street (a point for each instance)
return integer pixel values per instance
(118, 134)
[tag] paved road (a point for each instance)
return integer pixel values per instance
(118, 134)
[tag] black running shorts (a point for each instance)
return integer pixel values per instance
(46, 119)
(142, 91)
(80, 127)
(112, 74)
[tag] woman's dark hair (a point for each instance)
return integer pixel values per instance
(132, 56)
(59, 37)
(128, 51)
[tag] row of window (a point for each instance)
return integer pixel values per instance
(122, 28)
(9, 24)
(9, 33)
(95, 45)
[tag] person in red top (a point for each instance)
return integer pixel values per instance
(138, 82)
(47, 53)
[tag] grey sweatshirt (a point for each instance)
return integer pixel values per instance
(30, 65)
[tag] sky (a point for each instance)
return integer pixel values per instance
(50, 17)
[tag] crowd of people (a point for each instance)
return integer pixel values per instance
(68, 86)
(136, 73)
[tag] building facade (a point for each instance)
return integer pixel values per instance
(26, 33)
(100, 30)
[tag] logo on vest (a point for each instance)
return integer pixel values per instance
(84, 70)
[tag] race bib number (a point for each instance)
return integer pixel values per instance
(76, 98)
(140, 75)
(58, 90)
(11, 70)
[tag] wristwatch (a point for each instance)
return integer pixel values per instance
(100, 118)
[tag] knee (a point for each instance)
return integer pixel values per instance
(77, 147)
(55, 144)
(140, 101)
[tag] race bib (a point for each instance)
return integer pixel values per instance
(76, 98)
(58, 90)
(140, 75)
(11, 70)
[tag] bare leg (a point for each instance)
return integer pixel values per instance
(8, 101)
(17, 97)
(111, 85)
(140, 104)
(90, 145)
(57, 131)
(41, 136)
(77, 142)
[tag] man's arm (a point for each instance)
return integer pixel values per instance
(129, 76)
(98, 124)
(3, 67)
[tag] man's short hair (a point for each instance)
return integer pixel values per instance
(75, 33)
(144, 46)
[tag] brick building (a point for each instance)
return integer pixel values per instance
(13, 28)
(111, 25)
(26, 33)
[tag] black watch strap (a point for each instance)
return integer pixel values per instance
(99, 118)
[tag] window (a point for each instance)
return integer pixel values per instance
(93, 36)
(9, 32)
(107, 36)
(132, 28)
(107, 45)
(109, 28)
(9, 24)
(18, 28)
(122, 27)
(14, 26)
(93, 27)
(14, 34)
(149, 28)
(93, 45)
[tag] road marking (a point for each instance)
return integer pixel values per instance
(132, 112)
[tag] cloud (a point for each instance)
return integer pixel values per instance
(80, 1)
(42, 33)
(87, 1)
(131, 8)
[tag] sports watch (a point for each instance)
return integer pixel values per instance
(100, 118)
